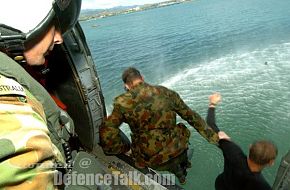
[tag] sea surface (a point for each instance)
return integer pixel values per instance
(238, 48)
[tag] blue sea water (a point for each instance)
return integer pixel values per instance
(197, 48)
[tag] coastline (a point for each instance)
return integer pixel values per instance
(114, 12)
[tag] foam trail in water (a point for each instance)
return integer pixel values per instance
(252, 84)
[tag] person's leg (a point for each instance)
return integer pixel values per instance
(177, 166)
(185, 162)
(179, 172)
(180, 163)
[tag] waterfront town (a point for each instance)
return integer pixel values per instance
(96, 14)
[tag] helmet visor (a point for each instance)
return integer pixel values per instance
(64, 14)
(67, 13)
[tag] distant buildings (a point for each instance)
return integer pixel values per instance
(113, 12)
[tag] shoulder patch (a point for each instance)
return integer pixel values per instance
(10, 87)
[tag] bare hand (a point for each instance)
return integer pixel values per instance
(215, 98)
(223, 135)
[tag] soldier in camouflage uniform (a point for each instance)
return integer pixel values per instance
(29, 119)
(27, 154)
(151, 111)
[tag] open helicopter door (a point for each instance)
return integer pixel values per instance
(73, 79)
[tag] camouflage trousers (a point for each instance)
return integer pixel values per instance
(177, 165)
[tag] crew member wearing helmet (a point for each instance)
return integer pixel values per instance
(29, 118)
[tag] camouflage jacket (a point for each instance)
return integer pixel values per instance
(150, 111)
(27, 155)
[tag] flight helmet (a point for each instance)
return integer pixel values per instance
(24, 21)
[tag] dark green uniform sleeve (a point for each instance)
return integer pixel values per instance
(110, 134)
(194, 119)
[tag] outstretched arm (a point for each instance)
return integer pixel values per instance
(232, 152)
(194, 119)
(214, 99)
(110, 134)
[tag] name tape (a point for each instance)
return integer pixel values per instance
(10, 87)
